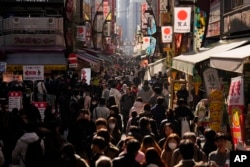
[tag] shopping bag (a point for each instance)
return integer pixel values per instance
(185, 127)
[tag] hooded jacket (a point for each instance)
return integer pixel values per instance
(138, 107)
(145, 93)
(18, 154)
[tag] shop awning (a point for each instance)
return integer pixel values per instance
(105, 57)
(231, 60)
(36, 59)
(89, 58)
(186, 63)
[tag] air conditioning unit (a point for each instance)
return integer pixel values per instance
(16, 20)
(51, 21)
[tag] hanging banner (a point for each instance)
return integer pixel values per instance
(41, 106)
(144, 20)
(215, 109)
(15, 100)
(182, 19)
(236, 110)
(166, 34)
(105, 9)
(201, 18)
(146, 42)
(86, 74)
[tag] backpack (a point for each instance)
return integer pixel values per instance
(34, 154)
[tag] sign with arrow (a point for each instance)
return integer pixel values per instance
(33, 72)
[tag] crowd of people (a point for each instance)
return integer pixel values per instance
(114, 121)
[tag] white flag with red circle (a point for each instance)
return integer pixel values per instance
(81, 33)
(146, 42)
(166, 34)
(182, 19)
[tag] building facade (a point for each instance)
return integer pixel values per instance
(32, 33)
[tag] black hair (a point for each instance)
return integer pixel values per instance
(186, 148)
(100, 142)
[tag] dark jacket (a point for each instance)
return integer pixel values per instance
(125, 161)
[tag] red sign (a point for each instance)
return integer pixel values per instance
(236, 110)
(72, 58)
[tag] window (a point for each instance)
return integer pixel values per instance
(237, 3)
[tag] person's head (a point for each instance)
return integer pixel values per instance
(111, 100)
(144, 123)
(209, 135)
(139, 99)
(104, 133)
(101, 123)
(134, 114)
(157, 89)
(172, 142)
(168, 129)
(112, 123)
(181, 101)
(102, 101)
(145, 83)
(148, 141)
(68, 150)
(190, 135)
(220, 140)
(104, 161)
(114, 109)
(152, 156)
(84, 114)
(132, 147)
(98, 144)
(146, 107)
(186, 148)
(160, 100)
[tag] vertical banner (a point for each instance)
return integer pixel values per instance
(86, 74)
(41, 106)
(215, 109)
(182, 19)
(164, 15)
(146, 42)
(201, 20)
(105, 9)
(144, 20)
(69, 11)
(166, 34)
(15, 100)
(236, 109)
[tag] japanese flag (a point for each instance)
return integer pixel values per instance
(167, 34)
(146, 41)
(182, 19)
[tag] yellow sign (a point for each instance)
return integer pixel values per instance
(166, 49)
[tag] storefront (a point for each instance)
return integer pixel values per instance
(52, 61)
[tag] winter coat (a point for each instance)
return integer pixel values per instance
(19, 152)
(145, 93)
(138, 107)
(114, 92)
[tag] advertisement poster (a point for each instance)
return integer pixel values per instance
(216, 109)
(236, 109)
(41, 107)
(182, 19)
(15, 100)
(86, 74)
